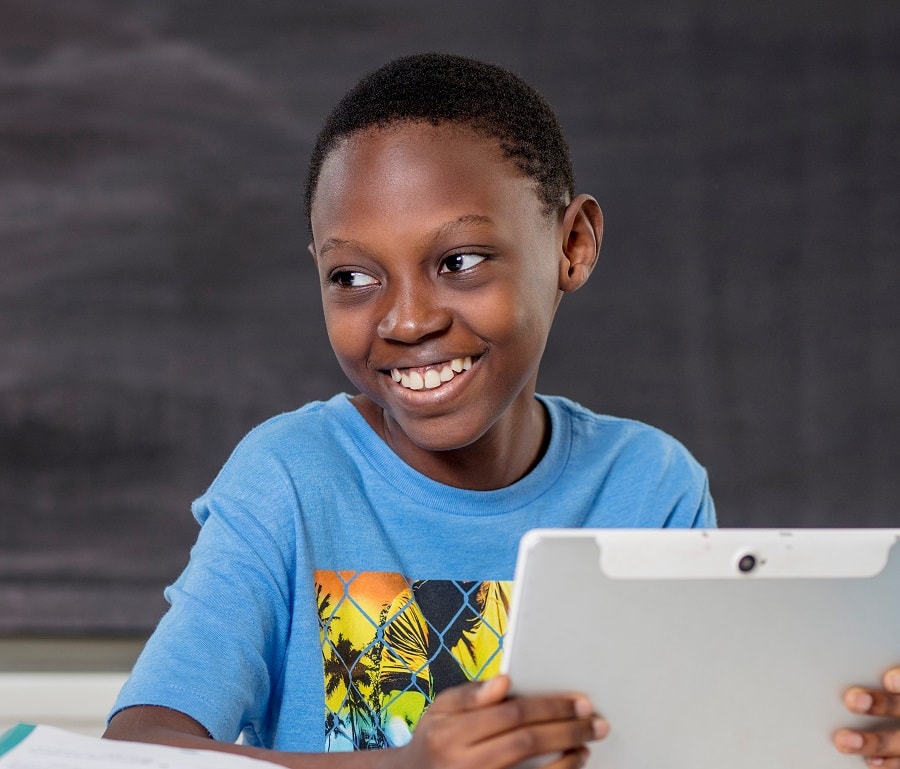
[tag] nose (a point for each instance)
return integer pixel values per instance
(411, 313)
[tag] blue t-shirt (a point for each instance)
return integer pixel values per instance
(333, 590)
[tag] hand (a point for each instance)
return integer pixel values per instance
(880, 748)
(477, 726)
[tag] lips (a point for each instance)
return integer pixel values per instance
(432, 376)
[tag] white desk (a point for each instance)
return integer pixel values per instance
(79, 702)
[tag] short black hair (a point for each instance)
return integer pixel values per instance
(444, 88)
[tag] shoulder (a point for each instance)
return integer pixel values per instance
(282, 431)
(636, 462)
(283, 453)
(315, 429)
(591, 431)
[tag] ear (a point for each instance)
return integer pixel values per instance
(312, 251)
(581, 232)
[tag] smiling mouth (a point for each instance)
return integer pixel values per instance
(430, 377)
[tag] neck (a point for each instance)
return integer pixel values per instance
(505, 454)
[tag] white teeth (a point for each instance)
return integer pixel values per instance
(432, 377)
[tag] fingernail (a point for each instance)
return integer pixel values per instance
(601, 728)
(583, 707)
(892, 681)
(876, 761)
(848, 741)
(859, 700)
(491, 686)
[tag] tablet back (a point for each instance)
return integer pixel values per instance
(708, 648)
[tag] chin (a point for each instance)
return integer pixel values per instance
(438, 440)
(440, 434)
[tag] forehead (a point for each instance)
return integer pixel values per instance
(419, 172)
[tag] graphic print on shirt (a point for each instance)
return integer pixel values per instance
(391, 644)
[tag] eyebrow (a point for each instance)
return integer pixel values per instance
(462, 221)
(442, 231)
(333, 243)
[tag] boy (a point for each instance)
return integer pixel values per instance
(354, 560)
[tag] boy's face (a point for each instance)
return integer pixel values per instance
(434, 250)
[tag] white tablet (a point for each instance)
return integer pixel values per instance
(708, 648)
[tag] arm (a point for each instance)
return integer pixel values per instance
(882, 747)
(163, 726)
(474, 726)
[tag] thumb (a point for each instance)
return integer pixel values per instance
(471, 696)
(492, 691)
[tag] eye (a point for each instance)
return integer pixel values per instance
(351, 279)
(461, 262)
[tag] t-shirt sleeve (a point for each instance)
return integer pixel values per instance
(693, 504)
(218, 651)
(705, 515)
(663, 481)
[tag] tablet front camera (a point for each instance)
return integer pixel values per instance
(747, 563)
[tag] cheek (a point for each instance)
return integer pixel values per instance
(516, 316)
(346, 332)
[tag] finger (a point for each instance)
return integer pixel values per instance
(519, 713)
(872, 702)
(883, 763)
(565, 740)
(572, 759)
(891, 681)
(885, 744)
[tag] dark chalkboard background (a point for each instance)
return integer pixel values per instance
(156, 300)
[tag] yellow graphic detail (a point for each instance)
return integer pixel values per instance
(391, 644)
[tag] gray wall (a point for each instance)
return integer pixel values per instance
(156, 300)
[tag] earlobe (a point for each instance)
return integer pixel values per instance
(582, 232)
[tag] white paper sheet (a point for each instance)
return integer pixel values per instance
(47, 747)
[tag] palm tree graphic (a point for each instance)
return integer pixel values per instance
(348, 667)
